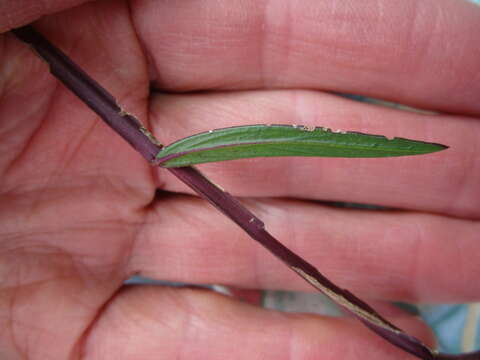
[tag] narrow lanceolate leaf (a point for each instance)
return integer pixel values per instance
(282, 140)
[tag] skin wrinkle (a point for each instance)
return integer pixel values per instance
(78, 350)
(132, 91)
(124, 190)
(461, 269)
(133, 246)
(403, 46)
(181, 302)
(143, 238)
(347, 48)
(415, 14)
(72, 150)
(264, 31)
(453, 246)
(295, 346)
(415, 262)
(339, 48)
(26, 347)
(28, 143)
(81, 345)
(223, 323)
(291, 348)
(46, 112)
(63, 193)
(37, 206)
(91, 270)
(464, 182)
(21, 279)
(15, 127)
(276, 21)
(448, 67)
(424, 49)
(438, 17)
(145, 318)
(187, 328)
(14, 338)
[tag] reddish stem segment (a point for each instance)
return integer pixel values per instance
(104, 104)
(254, 227)
(91, 93)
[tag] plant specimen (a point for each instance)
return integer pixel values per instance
(245, 142)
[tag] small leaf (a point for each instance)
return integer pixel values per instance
(282, 140)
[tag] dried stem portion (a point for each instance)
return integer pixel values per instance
(131, 130)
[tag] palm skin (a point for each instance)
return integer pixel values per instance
(70, 238)
(79, 212)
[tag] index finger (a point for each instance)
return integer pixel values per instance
(422, 53)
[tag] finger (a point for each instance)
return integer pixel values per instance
(377, 255)
(49, 296)
(445, 182)
(421, 53)
(163, 323)
(20, 12)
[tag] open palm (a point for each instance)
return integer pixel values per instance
(80, 211)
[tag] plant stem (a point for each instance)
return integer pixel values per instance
(127, 126)
(91, 93)
(254, 227)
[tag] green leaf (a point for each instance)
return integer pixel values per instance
(282, 140)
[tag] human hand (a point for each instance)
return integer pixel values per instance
(79, 212)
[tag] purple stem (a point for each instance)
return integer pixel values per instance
(104, 104)
(91, 93)
(254, 227)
